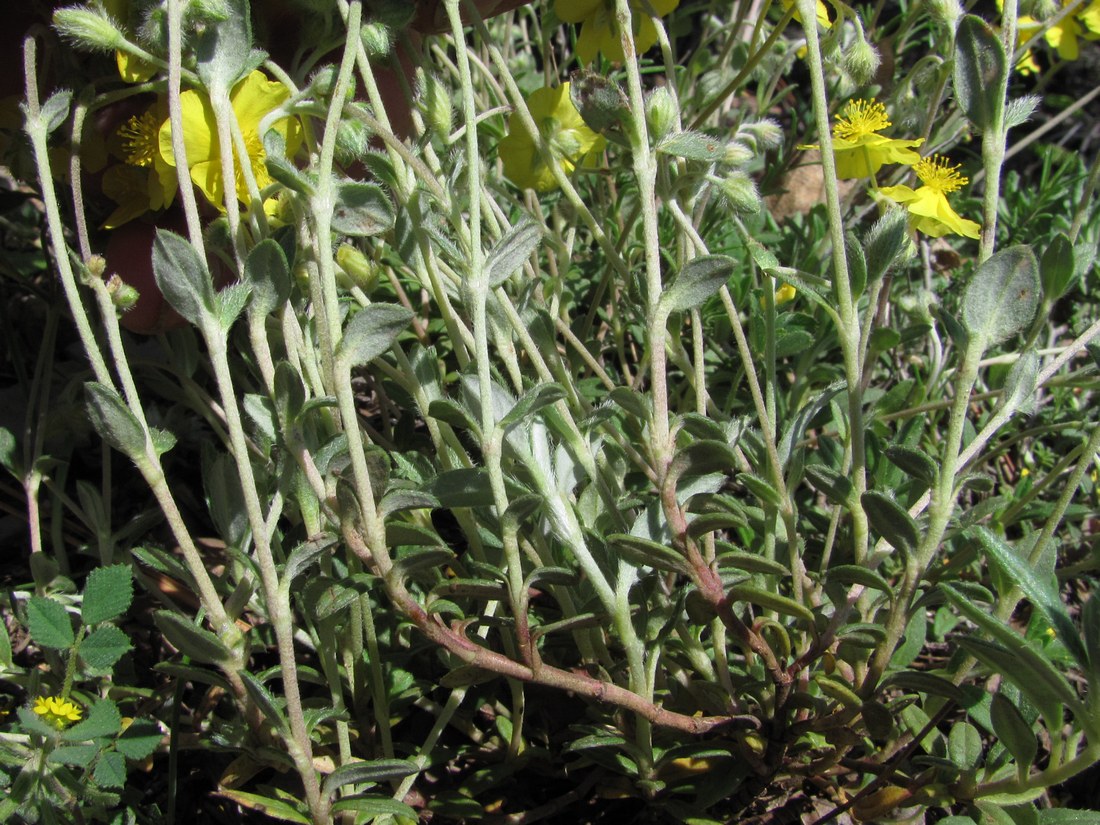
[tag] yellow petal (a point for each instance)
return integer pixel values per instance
(254, 97)
(575, 11)
(133, 69)
(199, 130)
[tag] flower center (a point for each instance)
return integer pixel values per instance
(140, 139)
(860, 119)
(936, 174)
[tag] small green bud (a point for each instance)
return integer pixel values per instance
(435, 103)
(377, 39)
(323, 81)
(947, 12)
(660, 113)
(861, 60)
(90, 27)
(123, 296)
(736, 154)
(96, 265)
(740, 190)
(363, 272)
(352, 141)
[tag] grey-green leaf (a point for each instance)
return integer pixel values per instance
(891, 521)
(200, 644)
(108, 592)
(533, 400)
(371, 331)
(183, 277)
(509, 254)
(1015, 733)
(697, 281)
(113, 420)
(693, 146)
(374, 771)
(1057, 267)
(266, 270)
(980, 67)
(1002, 296)
(362, 209)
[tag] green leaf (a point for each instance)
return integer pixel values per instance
(701, 458)
(700, 279)
(397, 501)
(646, 553)
(265, 701)
(223, 47)
(509, 254)
(748, 562)
(1057, 267)
(771, 601)
(373, 771)
(229, 303)
(5, 648)
(110, 771)
(466, 487)
(767, 494)
(375, 806)
(693, 146)
(103, 647)
(1090, 621)
(887, 240)
(55, 110)
(1002, 296)
(1067, 816)
(980, 67)
(1041, 595)
(139, 740)
(266, 270)
(551, 575)
(922, 682)
(533, 400)
(274, 808)
(362, 209)
(964, 746)
(79, 755)
(371, 331)
(891, 521)
(103, 719)
(113, 420)
(1021, 381)
(913, 463)
(837, 488)
(1013, 731)
(108, 592)
(201, 645)
(8, 458)
(304, 556)
(847, 574)
(421, 560)
(49, 624)
(183, 277)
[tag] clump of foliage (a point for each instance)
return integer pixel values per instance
(494, 441)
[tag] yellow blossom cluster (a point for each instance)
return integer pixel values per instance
(1063, 35)
(57, 711)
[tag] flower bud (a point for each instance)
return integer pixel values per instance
(96, 265)
(946, 12)
(435, 103)
(358, 267)
(740, 190)
(736, 154)
(861, 60)
(90, 27)
(352, 141)
(377, 39)
(660, 113)
(123, 296)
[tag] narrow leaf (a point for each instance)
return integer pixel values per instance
(201, 645)
(1013, 731)
(771, 601)
(374, 771)
(891, 521)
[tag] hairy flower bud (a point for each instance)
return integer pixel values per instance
(861, 60)
(740, 190)
(90, 27)
(358, 267)
(435, 104)
(660, 113)
(123, 296)
(377, 39)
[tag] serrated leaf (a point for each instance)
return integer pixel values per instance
(362, 209)
(1041, 595)
(266, 270)
(1015, 733)
(79, 755)
(183, 277)
(980, 67)
(108, 592)
(371, 331)
(110, 771)
(139, 740)
(891, 521)
(771, 601)
(112, 419)
(102, 719)
(49, 624)
(195, 642)
(1002, 297)
(103, 647)
(374, 771)
(509, 254)
(701, 278)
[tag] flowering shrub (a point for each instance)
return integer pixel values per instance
(508, 419)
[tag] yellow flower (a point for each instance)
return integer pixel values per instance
(1062, 36)
(598, 32)
(928, 207)
(822, 13)
(252, 99)
(56, 711)
(145, 181)
(560, 124)
(785, 293)
(859, 148)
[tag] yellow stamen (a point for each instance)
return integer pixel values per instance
(141, 139)
(859, 119)
(936, 174)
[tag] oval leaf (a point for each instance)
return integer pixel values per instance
(1002, 296)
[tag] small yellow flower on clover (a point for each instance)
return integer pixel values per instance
(145, 181)
(56, 711)
(570, 140)
(252, 99)
(859, 148)
(597, 19)
(928, 207)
